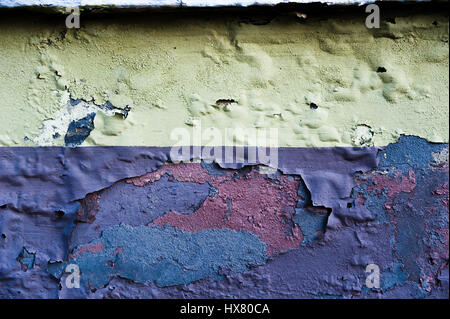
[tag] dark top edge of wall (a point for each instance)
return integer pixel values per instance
(124, 4)
(321, 7)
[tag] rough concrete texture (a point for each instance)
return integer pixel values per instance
(326, 80)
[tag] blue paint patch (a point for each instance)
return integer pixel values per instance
(213, 192)
(304, 194)
(109, 107)
(213, 168)
(79, 130)
(374, 204)
(394, 277)
(418, 214)
(310, 224)
(26, 259)
(409, 151)
(166, 256)
(74, 102)
(56, 268)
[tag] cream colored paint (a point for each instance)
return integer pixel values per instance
(171, 72)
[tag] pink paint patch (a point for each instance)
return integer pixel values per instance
(360, 199)
(443, 190)
(88, 208)
(118, 250)
(251, 203)
(182, 172)
(92, 248)
(393, 186)
(444, 233)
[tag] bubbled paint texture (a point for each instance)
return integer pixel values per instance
(322, 82)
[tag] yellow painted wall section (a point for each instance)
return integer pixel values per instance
(322, 82)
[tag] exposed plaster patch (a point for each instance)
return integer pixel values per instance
(441, 157)
(363, 135)
(74, 121)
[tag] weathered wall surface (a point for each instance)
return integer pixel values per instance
(87, 177)
(171, 70)
(139, 229)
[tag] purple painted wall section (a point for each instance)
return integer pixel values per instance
(138, 228)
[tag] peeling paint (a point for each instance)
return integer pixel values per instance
(26, 259)
(164, 255)
(361, 177)
(408, 238)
